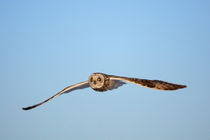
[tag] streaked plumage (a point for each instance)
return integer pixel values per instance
(103, 82)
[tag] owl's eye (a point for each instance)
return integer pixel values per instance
(99, 79)
(91, 79)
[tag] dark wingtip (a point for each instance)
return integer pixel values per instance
(179, 87)
(25, 108)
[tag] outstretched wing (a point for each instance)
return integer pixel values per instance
(155, 84)
(65, 90)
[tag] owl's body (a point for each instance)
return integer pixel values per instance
(103, 82)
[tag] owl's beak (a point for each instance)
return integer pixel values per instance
(94, 82)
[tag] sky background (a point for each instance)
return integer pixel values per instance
(48, 45)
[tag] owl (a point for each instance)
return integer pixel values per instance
(102, 82)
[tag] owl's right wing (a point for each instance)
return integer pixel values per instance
(155, 84)
(81, 85)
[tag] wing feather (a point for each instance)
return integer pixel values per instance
(65, 90)
(155, 84)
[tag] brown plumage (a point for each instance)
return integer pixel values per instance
(155, 84)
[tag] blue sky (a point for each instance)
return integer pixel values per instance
(48, 45)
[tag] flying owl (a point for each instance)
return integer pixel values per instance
(103, 82)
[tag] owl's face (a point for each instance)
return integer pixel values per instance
(98, 81)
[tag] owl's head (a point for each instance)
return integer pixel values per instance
(99, 81)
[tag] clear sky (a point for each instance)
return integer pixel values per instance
(48, 45)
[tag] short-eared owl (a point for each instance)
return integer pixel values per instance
(103, 82)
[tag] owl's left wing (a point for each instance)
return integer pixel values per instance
(155, 84)
(65, 90)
